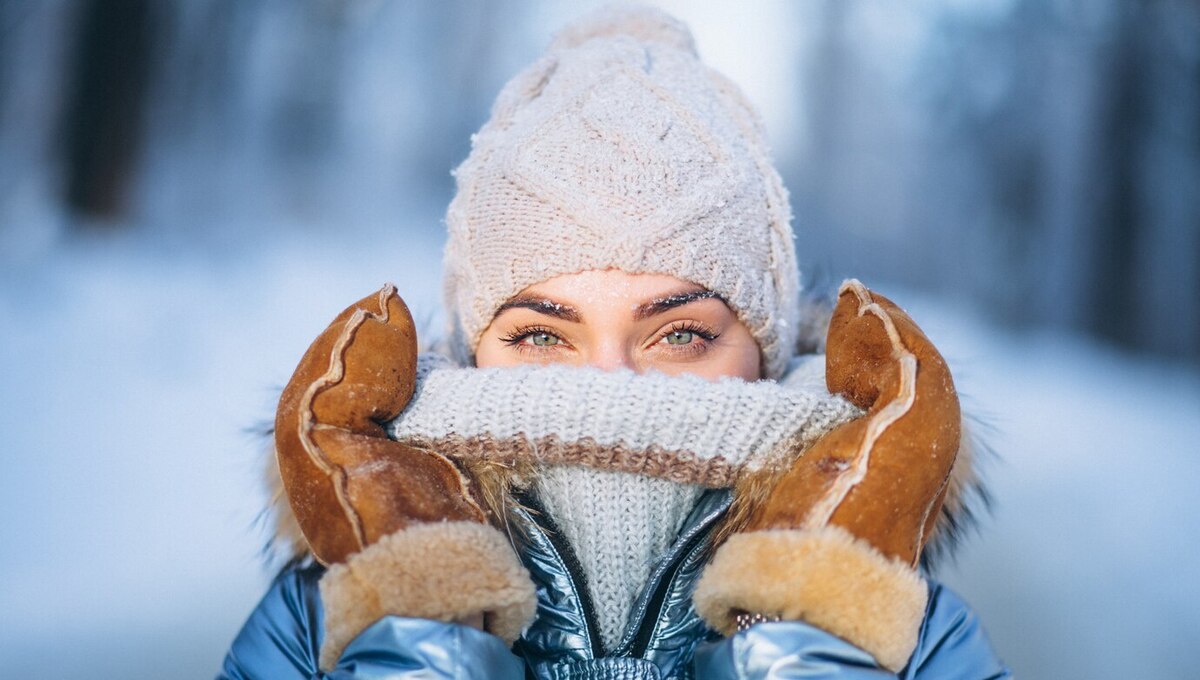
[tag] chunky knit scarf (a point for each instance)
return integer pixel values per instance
(620, 458)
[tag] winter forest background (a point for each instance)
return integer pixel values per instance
(191, 189)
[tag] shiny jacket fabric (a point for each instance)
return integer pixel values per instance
(665, 638)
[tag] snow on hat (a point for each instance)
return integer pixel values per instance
(620, 149)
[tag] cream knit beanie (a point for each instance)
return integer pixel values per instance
(620, 149)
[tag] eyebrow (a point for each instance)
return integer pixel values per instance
(543, 306)
(662, 304)
(645, 310)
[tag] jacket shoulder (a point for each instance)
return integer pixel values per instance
(952, 642)
(282, 640)
(282, 635)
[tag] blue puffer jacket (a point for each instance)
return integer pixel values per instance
(665, 638)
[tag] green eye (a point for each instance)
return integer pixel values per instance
(544, 339)
(679, 337)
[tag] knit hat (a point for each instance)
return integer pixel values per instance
(620, 149)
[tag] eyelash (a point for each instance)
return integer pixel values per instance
(704, 332)
(692, 348)
(516, 339)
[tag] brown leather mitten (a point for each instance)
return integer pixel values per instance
(397, 526)
(837, 540)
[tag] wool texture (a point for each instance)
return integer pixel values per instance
(620, 149)
(618, 524)
(680, 428)
(618, 458)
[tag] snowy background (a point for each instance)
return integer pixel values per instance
(189, 191)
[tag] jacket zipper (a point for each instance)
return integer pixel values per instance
(653, 612)
(667, 582)
(570, 562)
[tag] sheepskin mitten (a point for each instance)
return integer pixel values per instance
(837, 540)
(620, 149)
(398, 526)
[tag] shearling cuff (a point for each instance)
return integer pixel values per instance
(825, 577)
(445, 571)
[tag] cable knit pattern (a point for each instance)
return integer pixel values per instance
(680, 428)
(620, 149)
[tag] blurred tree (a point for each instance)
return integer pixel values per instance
(1039, 160)
(103, 115)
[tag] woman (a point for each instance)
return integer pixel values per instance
(629, 471)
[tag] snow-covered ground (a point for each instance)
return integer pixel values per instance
(133, 373)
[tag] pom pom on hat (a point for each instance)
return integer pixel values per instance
(643, 24)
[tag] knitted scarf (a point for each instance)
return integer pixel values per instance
(618, 459)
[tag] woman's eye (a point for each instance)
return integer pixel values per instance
(688, 338)
(543, 339)
(678, 337)
(534, 339)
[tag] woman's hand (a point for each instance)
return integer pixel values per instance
(838, 538)
(398, 526)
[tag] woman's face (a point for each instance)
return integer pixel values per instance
(611, 319)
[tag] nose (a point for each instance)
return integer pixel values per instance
(610, 357)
